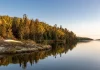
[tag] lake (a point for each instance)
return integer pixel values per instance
(80, 56)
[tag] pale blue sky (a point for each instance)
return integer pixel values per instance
(80, 16)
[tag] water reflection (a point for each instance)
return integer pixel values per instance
(34, 57)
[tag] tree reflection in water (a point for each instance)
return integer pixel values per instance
(34, 57)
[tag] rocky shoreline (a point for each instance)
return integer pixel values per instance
(21, 47)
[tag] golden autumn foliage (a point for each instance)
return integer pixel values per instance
(25, 28)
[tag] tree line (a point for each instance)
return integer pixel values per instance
(25, 28)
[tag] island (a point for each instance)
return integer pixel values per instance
(97, 39)
(84, 39)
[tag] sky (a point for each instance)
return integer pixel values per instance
(80, 16)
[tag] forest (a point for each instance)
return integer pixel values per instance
(32, 29)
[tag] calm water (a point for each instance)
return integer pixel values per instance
(80, 56)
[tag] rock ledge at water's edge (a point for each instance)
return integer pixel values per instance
(12, 46)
